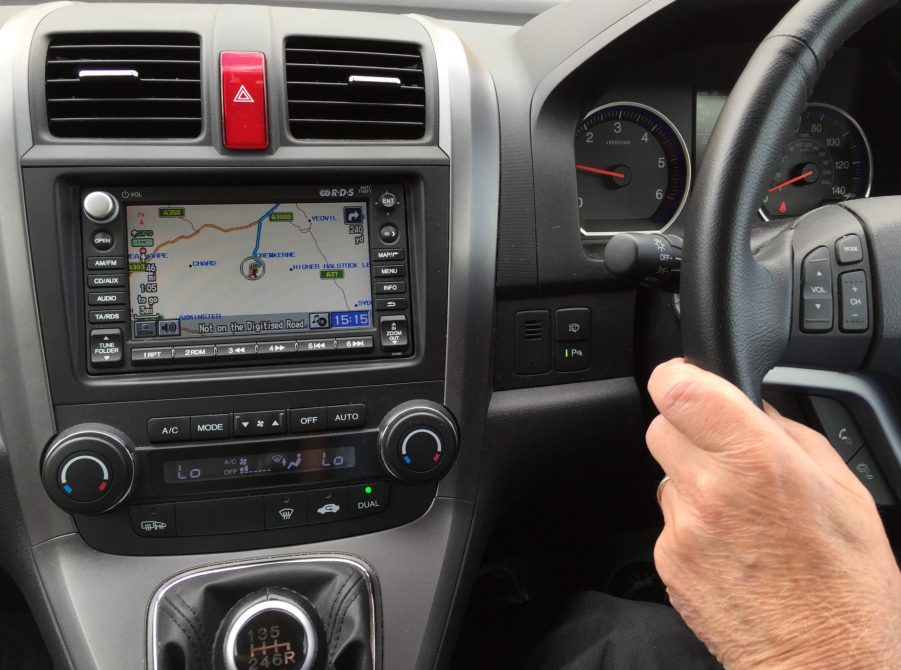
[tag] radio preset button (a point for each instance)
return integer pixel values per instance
(202, 352)
(314, 346)
(106, 263)
(103, 299)
(394, 332)
(260, 423)
(388, 287)
(276, 348)
(390, 304)
(355, 344)
(102, 240)
(106, 315)
(308, 420)
(151, 355)
(382, 255)
(346, 416)
(388, 271)
(235, 350)
(327, 505)
(106, 281)
(286, 510)
(106, 347)
(209, 426)
(169, 429)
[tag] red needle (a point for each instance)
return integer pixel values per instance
(606, 173)
(792, 181)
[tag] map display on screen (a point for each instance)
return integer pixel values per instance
(248, 269)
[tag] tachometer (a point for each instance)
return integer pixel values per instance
(632, 168)
(828, 160)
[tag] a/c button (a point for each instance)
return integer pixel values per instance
(170, 429)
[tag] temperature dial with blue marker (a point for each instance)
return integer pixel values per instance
(418, 441)
(88, 469)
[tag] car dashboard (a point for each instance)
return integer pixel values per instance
(299, 295)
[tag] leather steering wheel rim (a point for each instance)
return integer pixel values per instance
(736, 314)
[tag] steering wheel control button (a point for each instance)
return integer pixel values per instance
(88, 469)
(169, 429)
(855, 317)
(327, 505)
(817, 308)
(341, 417)
(100, 207)
(244, 121)
(286, 510)
(153, 520)
(394, 332)
(533, 343)
(366, 499)
(573, 356)
(259, 423)
(864, 466)
(102, 240)
(219, 517)
(308, 420)
(418, 441)
(838, 425)
(273, 627)
(209, 426)
(573, 324)
(849, 250)
(106, 347)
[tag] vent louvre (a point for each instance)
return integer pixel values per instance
(348, 89)
(124, 86)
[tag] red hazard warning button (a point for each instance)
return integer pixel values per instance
(244, 124)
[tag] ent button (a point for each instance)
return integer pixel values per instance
(394, 332)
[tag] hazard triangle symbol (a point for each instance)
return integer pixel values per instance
(243, 95)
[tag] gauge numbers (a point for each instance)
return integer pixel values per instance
(828, 161)
(632, 168)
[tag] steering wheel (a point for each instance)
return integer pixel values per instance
(746, 304)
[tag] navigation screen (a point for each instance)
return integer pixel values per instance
(248, 269)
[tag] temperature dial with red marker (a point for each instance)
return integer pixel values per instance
(88, 469)
(418, 440)
(828, 161)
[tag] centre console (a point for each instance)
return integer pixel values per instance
(242, 363)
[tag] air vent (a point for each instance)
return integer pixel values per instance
(340, 89)
(124, 85)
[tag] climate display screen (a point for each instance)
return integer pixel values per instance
(248, 269)
(257, 465)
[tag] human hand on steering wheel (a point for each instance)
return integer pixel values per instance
(773, 551)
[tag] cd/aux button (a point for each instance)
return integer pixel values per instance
(106, 281)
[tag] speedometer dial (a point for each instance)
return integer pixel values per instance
(633, 170)
(828, 160)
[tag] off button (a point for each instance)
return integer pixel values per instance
(394, 332)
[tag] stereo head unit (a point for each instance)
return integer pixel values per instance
(210, 276)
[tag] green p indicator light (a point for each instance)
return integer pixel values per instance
(368, 490)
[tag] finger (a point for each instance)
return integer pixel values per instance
(712, 413)
(672, 450)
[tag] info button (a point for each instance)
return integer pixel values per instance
(209, 426)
